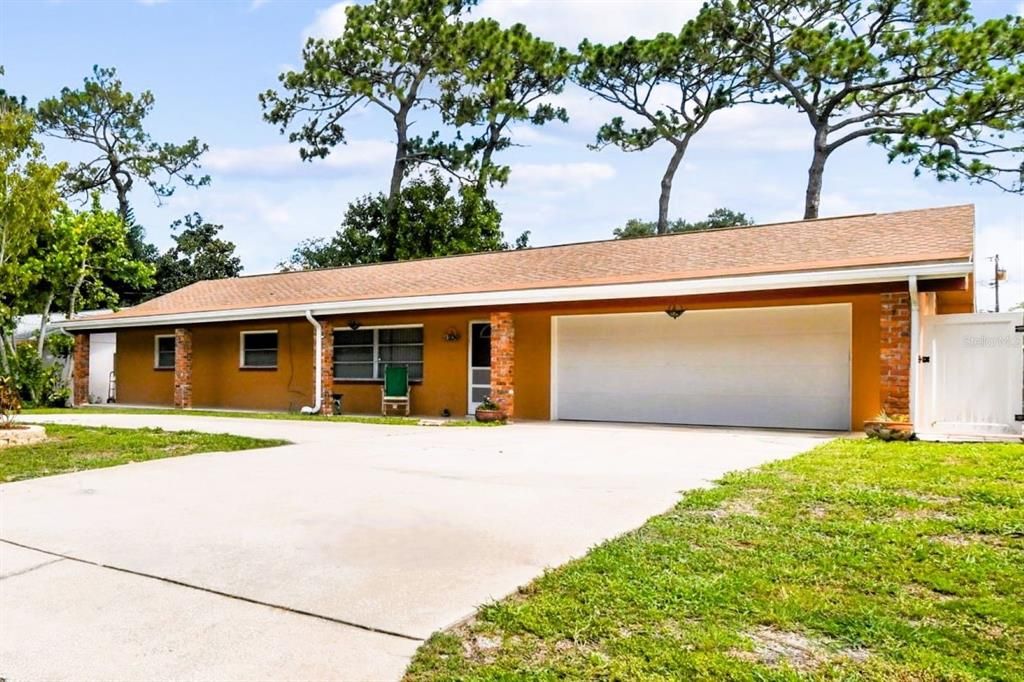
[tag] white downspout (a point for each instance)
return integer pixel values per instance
(318, 363)
(915, 347)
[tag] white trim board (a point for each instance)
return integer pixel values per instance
(241, 348)
(156, 350)
(688, 287)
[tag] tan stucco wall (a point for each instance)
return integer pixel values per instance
(138, 383)
(218, 381)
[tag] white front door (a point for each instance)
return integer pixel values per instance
(786, 366)
(479, 363)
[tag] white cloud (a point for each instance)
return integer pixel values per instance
(528, 135)
(150, 3)
(757, 127)
(567, 22)
(282, 160)
(329, 23)
(558, 178)
(256, 4)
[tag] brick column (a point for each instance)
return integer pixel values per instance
(895, 353)
(326, 368)
(503, 362)
(183, 368)
(80, 371)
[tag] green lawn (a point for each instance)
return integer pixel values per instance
(73, 448)
(856, 560)
(354, 418)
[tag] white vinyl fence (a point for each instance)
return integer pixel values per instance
(971, 374)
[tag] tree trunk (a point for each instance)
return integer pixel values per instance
(812, 199)
(121, 187)
(666, 185)
(398, 171)
(43, 323)
(483, 176)
(401, 160)
(4, 361)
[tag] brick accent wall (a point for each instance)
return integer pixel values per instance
(895, 353)
(183, 368)
(326, 368)
(503, 362)
(80, 371)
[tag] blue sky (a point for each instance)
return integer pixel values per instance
(206, 62)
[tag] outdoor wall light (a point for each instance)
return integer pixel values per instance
(452, 334)
(674, 311)
(354, 324)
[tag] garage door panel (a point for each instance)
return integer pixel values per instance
(802, 350)
(786, 367)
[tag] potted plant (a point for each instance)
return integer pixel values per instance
(889, 427)
(490, 411)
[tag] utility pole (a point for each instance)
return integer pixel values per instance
(999, 275)
(996, 280)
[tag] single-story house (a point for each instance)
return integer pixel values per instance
(808, 324)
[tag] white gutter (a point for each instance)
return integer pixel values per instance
(318, 346)
(597, 292)
(915, 346)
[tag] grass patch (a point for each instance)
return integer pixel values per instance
(74, 448)
(293, 416)
(856, 560)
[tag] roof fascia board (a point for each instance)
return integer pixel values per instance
(688, 287)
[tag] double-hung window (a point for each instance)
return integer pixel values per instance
(258, 350)
(364, 353)
(163, 351)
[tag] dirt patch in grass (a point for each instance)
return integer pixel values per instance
(481, 648)
(923, 592)
(970, 540)
(737, 506)
(929, 498)
(774, 647)
(922, 515)
(817, 512)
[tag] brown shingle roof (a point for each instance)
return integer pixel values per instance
(937, 234)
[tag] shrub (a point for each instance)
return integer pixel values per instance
(37, 381)
(10, 402)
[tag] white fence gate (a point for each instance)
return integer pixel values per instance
(971, 373)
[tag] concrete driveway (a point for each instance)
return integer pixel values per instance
(332, 558)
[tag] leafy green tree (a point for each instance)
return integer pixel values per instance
(85, 261)
(975, 133)
(720, 217)
(386, 58)
(28, 199)
(198, 254)
(78, 260)
(699, 70)
(9, 101)
(431, 220)
(919, 76)
(502, 77)
(110, 119)
(404, 57)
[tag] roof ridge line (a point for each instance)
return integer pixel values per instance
(593, 241)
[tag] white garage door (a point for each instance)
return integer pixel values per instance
(776, 367)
